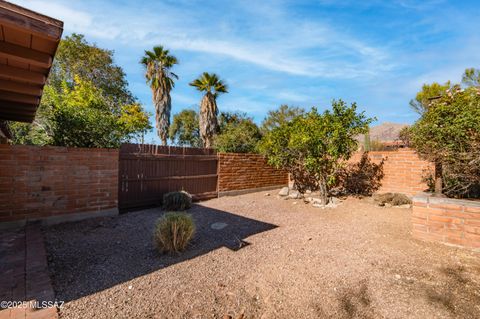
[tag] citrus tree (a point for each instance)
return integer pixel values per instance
(313, 146)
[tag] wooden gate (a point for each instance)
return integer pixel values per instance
(146, 172)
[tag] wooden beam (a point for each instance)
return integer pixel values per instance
(18, 97)
(16, 117)
(22, 74)
(23, 54)
(29, 21)
(9, 106)
(23, 88)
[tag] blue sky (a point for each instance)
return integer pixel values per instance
(272, 52)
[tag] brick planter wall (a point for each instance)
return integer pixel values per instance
(403, 170)
(445, 220)
(39, 182)
(238, 171)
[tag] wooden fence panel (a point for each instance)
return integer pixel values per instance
(149, 171)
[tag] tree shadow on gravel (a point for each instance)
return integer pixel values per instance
(92, 255)
(455, 292)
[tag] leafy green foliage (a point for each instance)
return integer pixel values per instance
(237, 135)
(449, 133)
(313, 146)
(471, 77)
(427, 96)
(173, 232)
(210, 82)
(281, 116)
(85, 103)
(185, 130)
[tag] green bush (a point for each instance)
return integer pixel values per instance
(177, 201)
(173, 232)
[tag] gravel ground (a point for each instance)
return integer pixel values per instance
(275, 259)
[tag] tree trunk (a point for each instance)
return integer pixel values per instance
(163, 106)
(438, 179)
(323, 190)
(208, 119)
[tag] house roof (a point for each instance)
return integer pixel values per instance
(28, 42)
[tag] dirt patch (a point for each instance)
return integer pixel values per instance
(273, 259)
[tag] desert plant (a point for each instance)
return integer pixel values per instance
(362, 178)
(394, 199)
(173, 232)
(177, 201)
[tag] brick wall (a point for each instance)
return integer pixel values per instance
(247, 171)
(38, 182)
(403, 170)
(445, 220)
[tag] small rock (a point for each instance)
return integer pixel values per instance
(403, 206)
(267, 194)
(335, 200)
(410, 280)
(398, 276)
(387, 205)
(295, 194)
(130, 287)
(218, 226)
(318, 201)
(284, 191)
(294, 203)
(318, 205)
(331, 205)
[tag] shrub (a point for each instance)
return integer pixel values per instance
(394, 199)
(177, 201)
(362, 178)
(173, 232)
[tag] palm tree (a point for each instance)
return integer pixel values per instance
(161, 80)
(213, 86)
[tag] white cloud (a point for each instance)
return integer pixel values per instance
(278, 47)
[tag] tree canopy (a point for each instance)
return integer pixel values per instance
(313, 145)
(448, 134)
(282, 115)
(427, 96)
(185, 130)
(85, 103)
(238, 134)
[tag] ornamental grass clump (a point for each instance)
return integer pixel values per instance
(173, 232)
(177, 201)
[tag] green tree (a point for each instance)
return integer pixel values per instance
(471, 77)
(211, 84)
(239, 134)
(448, 134)
(76, 58)
(84, 89)
(280, 116)
(158, 64)
(428, 95)
(185, 130)
(313, 146)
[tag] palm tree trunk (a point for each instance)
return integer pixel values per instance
(208, 119)
(163, 106)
